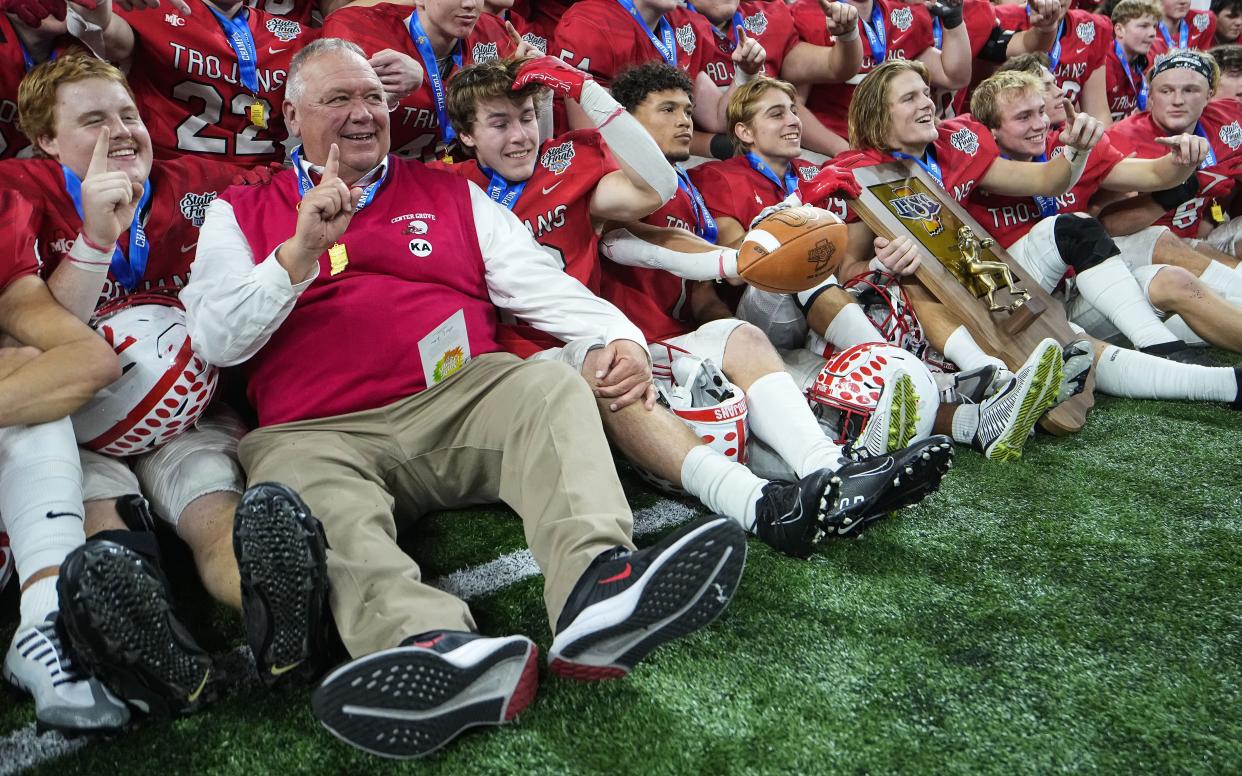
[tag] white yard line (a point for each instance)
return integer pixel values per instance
(24, 748)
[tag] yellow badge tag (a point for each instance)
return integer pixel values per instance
(1218, 213)
(256, 114)
(338, 257)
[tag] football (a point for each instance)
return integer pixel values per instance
(792, 250)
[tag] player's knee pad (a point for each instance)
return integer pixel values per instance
(40, 494)
(200, 461)
(1082, 242)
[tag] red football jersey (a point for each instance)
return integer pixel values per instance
(1198, 30)
(181, 189)
(734, 189)
(17, 242)
(555, 205)
(770, 23)
(1219, 124)
(415, 123)
(186, 83)
(12, 70)
(601, 38)
(1079, 51)
(1008, 219)
(907, 33)
(1122, 91)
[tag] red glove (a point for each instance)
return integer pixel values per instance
(830, 181)
(552, 73)
(33, 12)
(257, 175)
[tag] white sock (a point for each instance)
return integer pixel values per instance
(965, 423)
(1110, 287)
(780, 416)
(961, 349)
(1224, 280)
(724, 486)
(852, 327)
(38, 601)
(1135, 375)
(41, 494)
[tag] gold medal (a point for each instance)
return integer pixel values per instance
(256, 114)
(447, 159)
(1218, 213)
(338, 257)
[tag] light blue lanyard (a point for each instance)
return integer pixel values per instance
(790, 182)
(664, 43)
(242, 41)
(128, 271)
(432, 68)
(928, 163)
(706, 228)
(501, 190)
(305, 184)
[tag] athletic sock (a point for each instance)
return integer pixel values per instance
(1110, 287)
(41, 494)
(724, 486)
(780, 416)
(38, 601)
(965, 423)
(852, 327)
(961, 349)
(1222, 279)
(1135, 375)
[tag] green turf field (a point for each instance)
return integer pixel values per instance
(1079, 611)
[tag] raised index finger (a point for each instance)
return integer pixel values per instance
(99, 158)
(1070, 113)
(331, 166)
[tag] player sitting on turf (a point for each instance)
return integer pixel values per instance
(61, 366)
(358, 292)
(893, 113)
(1036, 232)
(111, 225)
(497, 123)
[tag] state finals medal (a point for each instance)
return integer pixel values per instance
(338, 258)
(256, 113)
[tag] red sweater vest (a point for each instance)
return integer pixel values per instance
(351, 342)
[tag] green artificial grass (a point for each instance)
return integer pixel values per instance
(1079, 611)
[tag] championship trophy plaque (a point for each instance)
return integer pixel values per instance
(997, 301)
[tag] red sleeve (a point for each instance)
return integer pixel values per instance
(965, 152)
(725, 198)
(18, 232)
(809, 22)
(980, 19)
(582, 41)
(1013, 17)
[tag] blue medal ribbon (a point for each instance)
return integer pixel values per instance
(1054, 56)
(128, 271)
(928, 163)
(432, 68)
(305, 184)
(937, 32)
(1047, 205)
(242, 41)
(789, 184)
(1183, 34)
(501, 190)
(664, 44)
(706, 228)
(877, 35)
(1140, 91)
(1210, 159)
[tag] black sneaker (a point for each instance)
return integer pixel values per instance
(118, 621)
(282, 560)
(792, 517)
(874, 487)
(628, 603)
(411, 700)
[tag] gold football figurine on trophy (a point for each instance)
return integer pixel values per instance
(985, 276)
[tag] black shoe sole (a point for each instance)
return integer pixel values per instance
(918, 475)
(409, 702)
(282, 561)
(686, 587)
(119, 625)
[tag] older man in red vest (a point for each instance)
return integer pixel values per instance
(358, 292)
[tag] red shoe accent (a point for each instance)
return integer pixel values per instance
(429, 644)
(524, 693)
(617, 577)
(583, 673)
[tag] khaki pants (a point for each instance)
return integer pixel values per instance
(501, 429)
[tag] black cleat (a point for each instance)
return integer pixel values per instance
(118, 621)
(281, 557)
(874, 487)
(411, 700)
(628, 603)
(792, 517)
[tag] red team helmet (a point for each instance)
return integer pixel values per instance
(847, 389)
(164, 386)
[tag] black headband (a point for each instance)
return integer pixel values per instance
(1196, 62)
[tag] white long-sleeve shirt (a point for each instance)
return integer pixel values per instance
(234, 305)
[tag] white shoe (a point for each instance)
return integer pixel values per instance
(1008, 416)
(894, 422)
(64, 699)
